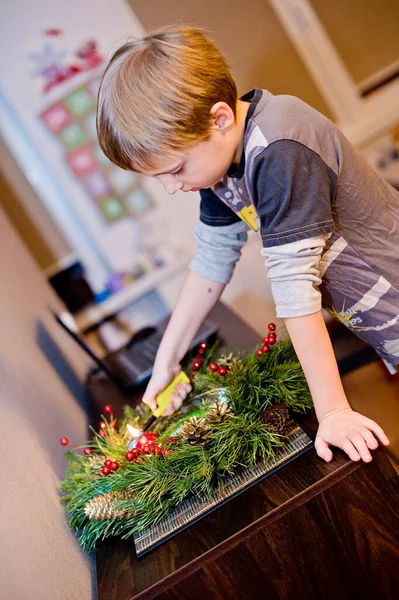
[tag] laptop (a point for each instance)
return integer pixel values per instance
(132, 365)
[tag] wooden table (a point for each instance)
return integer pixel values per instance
(310, 530)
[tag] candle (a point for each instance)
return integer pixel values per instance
(134, 435)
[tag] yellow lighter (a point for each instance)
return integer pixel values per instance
(163, 399)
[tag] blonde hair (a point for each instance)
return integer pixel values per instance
(156, 95)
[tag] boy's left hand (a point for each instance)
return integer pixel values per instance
(350, 431)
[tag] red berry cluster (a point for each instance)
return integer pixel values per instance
(109, 466)
(214, 367)
(148, 444)
(64, 442)
(268, 341)
(197, 361)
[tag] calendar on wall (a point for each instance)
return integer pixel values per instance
(116, 193)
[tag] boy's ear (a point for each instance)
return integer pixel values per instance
(222, 117)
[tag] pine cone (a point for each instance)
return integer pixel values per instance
(218, 412)
(277, 418)
(104, 507)
(96, 463)
(228, 360)
(195, 430)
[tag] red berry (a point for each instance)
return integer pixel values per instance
(147, 449)
(204, 345)
(108, 462)
(102, 433)
(222, 371)
(88, 451)
(64, 441)
(271, 341)
(114, 466)
(105, 471)
(132, 454)
(201, 351)
(271, 327)
(103, 424)
(108, 409)
(271, 336)
(145, 439)
(196, 365)
(265, 348)
(213, 367)
(266, 340)
(157, 449)
(259, 352)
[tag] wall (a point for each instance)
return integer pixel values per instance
(250, 35)
(28, 215)
(41, 399)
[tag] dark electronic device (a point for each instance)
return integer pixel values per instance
(131, 365)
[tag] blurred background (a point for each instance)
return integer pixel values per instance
(110, 246)
(110, 238)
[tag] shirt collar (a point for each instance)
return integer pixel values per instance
(253, 98)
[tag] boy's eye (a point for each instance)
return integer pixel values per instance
(178, 172)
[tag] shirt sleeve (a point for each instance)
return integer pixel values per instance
(293, 270)
(293, 190)
(218, 250)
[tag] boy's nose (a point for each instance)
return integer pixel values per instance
(171, 186)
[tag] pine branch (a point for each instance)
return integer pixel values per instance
(150, 489)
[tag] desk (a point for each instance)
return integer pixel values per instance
(310, 530)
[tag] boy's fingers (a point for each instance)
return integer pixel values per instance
(350, 450)
(181, 390)
(379, 432)
(360, 444)
(151, 402)
(177, 401)
(322, 449)
(169, 410)
(368, 436)
(174, 405)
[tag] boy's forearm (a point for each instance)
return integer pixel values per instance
(197, 297)
(312, 344)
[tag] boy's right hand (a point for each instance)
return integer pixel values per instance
(161, 378)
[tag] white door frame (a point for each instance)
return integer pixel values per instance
(361, 118)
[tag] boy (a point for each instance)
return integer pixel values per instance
(168, 108)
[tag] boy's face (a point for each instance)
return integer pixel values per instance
(204, 164)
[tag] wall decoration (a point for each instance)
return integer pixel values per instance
(72, 120)
(55, 64)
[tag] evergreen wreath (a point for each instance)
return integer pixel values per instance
(238, 413)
